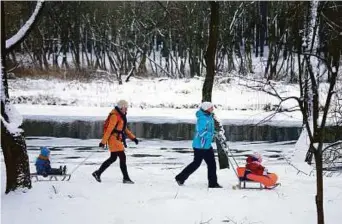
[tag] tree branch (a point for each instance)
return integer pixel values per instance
(26, 29)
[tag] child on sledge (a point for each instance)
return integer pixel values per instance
(253, 165)
(43, 166)
(256, 172)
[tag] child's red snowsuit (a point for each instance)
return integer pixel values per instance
(254, 166)
(254, 171)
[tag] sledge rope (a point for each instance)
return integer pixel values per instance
(82, 162)
(231, 163)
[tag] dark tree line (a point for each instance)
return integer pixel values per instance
(169, 38)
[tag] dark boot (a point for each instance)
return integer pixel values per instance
(127, 181)
(97, 177)
(215, 186)
(64, 170)
(179, 181)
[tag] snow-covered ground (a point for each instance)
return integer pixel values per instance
(229, 93)
(147, 93)
(153, 100)
(156, 198)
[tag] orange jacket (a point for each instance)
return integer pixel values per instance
(114, 140)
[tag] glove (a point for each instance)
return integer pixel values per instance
(101, 145)
(136, 141)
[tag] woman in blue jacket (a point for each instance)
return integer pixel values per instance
(204, 134)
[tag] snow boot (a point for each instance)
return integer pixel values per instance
(179, 182)
(127, 181)
(96, 176)
(64, 170)
(215, 186)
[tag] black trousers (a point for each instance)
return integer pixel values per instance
(199, 155)
(112, 159)
(52, 171)
(55, 171)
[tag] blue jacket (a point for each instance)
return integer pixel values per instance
(205, 129)
(43, 166)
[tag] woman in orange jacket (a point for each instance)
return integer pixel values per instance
(115, 132)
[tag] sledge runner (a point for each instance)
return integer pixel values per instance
(202, 146)
(43, 166)
(115, 133)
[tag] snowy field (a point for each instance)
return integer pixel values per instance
(153, 100)
(228, 93)
(147, 93)
(156, 198)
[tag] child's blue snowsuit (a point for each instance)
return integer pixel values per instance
(43, 166)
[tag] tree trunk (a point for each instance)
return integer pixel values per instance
(16, 160)
(13, 143)
(4, 87)
(142, 70)
(211, 51)
(319, 184)
(13, 147)
(257, 38)
(263, 14)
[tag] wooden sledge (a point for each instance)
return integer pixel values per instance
(265, 182)
(53, 177)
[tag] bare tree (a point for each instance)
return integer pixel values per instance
(314, 129)
(211, 52)
(315, 112)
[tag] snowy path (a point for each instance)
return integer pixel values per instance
(156, 198)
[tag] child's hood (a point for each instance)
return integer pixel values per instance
(44, 151)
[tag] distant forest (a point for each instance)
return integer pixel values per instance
(169, 39)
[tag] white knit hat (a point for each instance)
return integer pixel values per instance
(206, 105)
(257, 156)
(122, 103)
